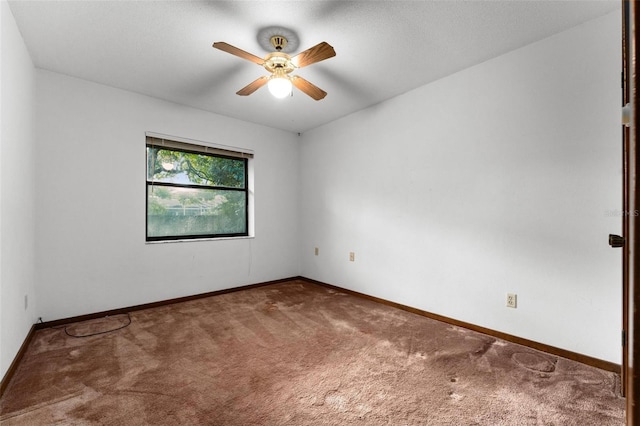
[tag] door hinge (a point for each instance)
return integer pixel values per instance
(624, 339)
(626, 115)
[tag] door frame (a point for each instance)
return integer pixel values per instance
(631, 222)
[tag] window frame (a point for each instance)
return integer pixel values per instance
(193, 147)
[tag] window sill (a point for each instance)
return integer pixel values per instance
(198, 240)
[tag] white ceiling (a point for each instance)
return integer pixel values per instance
(384, 48)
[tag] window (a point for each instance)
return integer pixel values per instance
(195, 191)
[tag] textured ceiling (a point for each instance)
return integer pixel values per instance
(384, 48)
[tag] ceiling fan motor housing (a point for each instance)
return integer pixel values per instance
(278, 61)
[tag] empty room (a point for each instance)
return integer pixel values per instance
(319, 212)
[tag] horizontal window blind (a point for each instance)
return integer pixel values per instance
(194, 147)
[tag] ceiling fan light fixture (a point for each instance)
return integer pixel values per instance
(280, 86)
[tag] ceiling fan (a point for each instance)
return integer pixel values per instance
(280, 65)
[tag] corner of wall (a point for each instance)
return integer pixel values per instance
(17, 190)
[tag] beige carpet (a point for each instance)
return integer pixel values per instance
(296, 354)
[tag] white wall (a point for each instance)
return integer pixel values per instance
(496, 179)
(17, 195)
(90, 217)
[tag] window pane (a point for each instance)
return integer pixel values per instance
(176, 212)
(166, 165)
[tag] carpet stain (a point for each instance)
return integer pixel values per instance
(533, 361)
(270, 306)
(336, 401)
(455, 396)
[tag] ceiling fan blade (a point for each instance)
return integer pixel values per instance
(314, 91)
(317, 53)
(253, 86)
(226, 47)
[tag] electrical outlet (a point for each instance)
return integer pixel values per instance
(512, 300)
(352, 256)
(26, 301)
(317, 251)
